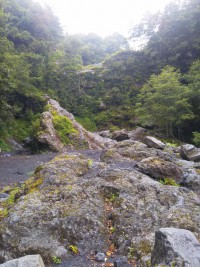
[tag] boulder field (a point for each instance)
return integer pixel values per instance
(80, 206)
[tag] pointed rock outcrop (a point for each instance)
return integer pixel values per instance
(74, 137)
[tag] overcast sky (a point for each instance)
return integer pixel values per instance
(103, 17)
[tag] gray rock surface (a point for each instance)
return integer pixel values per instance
(120, 135)
(100, 257)
(26, 261)
(160, 169)
(191, 179)
(138, 134)
(93, 141)
(65, 203)
(153, 142)
(175, 247)
(82, 139)
(118, 202)
(190, 152)
(48, 135)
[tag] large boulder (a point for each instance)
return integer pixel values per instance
(190, 152)
(175, 247)
(120, 135)
(160, 169)
(138, 134)
(73, 202)
(80, 138)
(47, 136)
(191, 179)
(135, 150)
(153, 142)
(26, 261)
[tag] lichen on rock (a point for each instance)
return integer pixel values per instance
(66, 204)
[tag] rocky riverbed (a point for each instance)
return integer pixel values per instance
(111, 204)
(102, 207)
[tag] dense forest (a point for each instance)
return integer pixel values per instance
(102, 81)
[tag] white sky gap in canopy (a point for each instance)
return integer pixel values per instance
(103, 17)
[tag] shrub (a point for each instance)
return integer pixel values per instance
(196, 138)
(88, 123)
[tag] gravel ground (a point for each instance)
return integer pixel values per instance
(17, 168)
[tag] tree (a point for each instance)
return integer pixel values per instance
(193, 79)
(172, 37)
(164, 101)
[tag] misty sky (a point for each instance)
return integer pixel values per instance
(103, 17)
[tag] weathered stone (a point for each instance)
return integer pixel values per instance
(120, 135)
(190, 152)
(175, 247)
(48, 135)
(69, 201)
(4, 195)
(121, 262)
(26, 261)
(194, 155)
(188, 148)
(160, 169)
(93, 141)
(135, 150)
(138, 134)
(100, 257)
(105, 134)
(152, 142)
(191, 179)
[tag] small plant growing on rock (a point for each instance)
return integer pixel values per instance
(73, 249)
(169, 181)
(131, 253)
(90, 163)
(56, 260)
(112, 229)
(113, 197)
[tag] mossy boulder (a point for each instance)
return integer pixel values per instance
(71, 202)
(59, 129)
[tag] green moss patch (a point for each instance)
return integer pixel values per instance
(64, 128)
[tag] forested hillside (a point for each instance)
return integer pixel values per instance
(103, 82)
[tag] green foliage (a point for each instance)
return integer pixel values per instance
(112, 229)
(168, 181)
(164, 101)
(90, 163)
(193, 79)
(196, 138)
(63, 127)
(168, 41)
(12, 197)
(4, 146)
(88, 123)
(56, 260)
(20, 129)
(113, 197)
(36, 59)
(74, 249)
